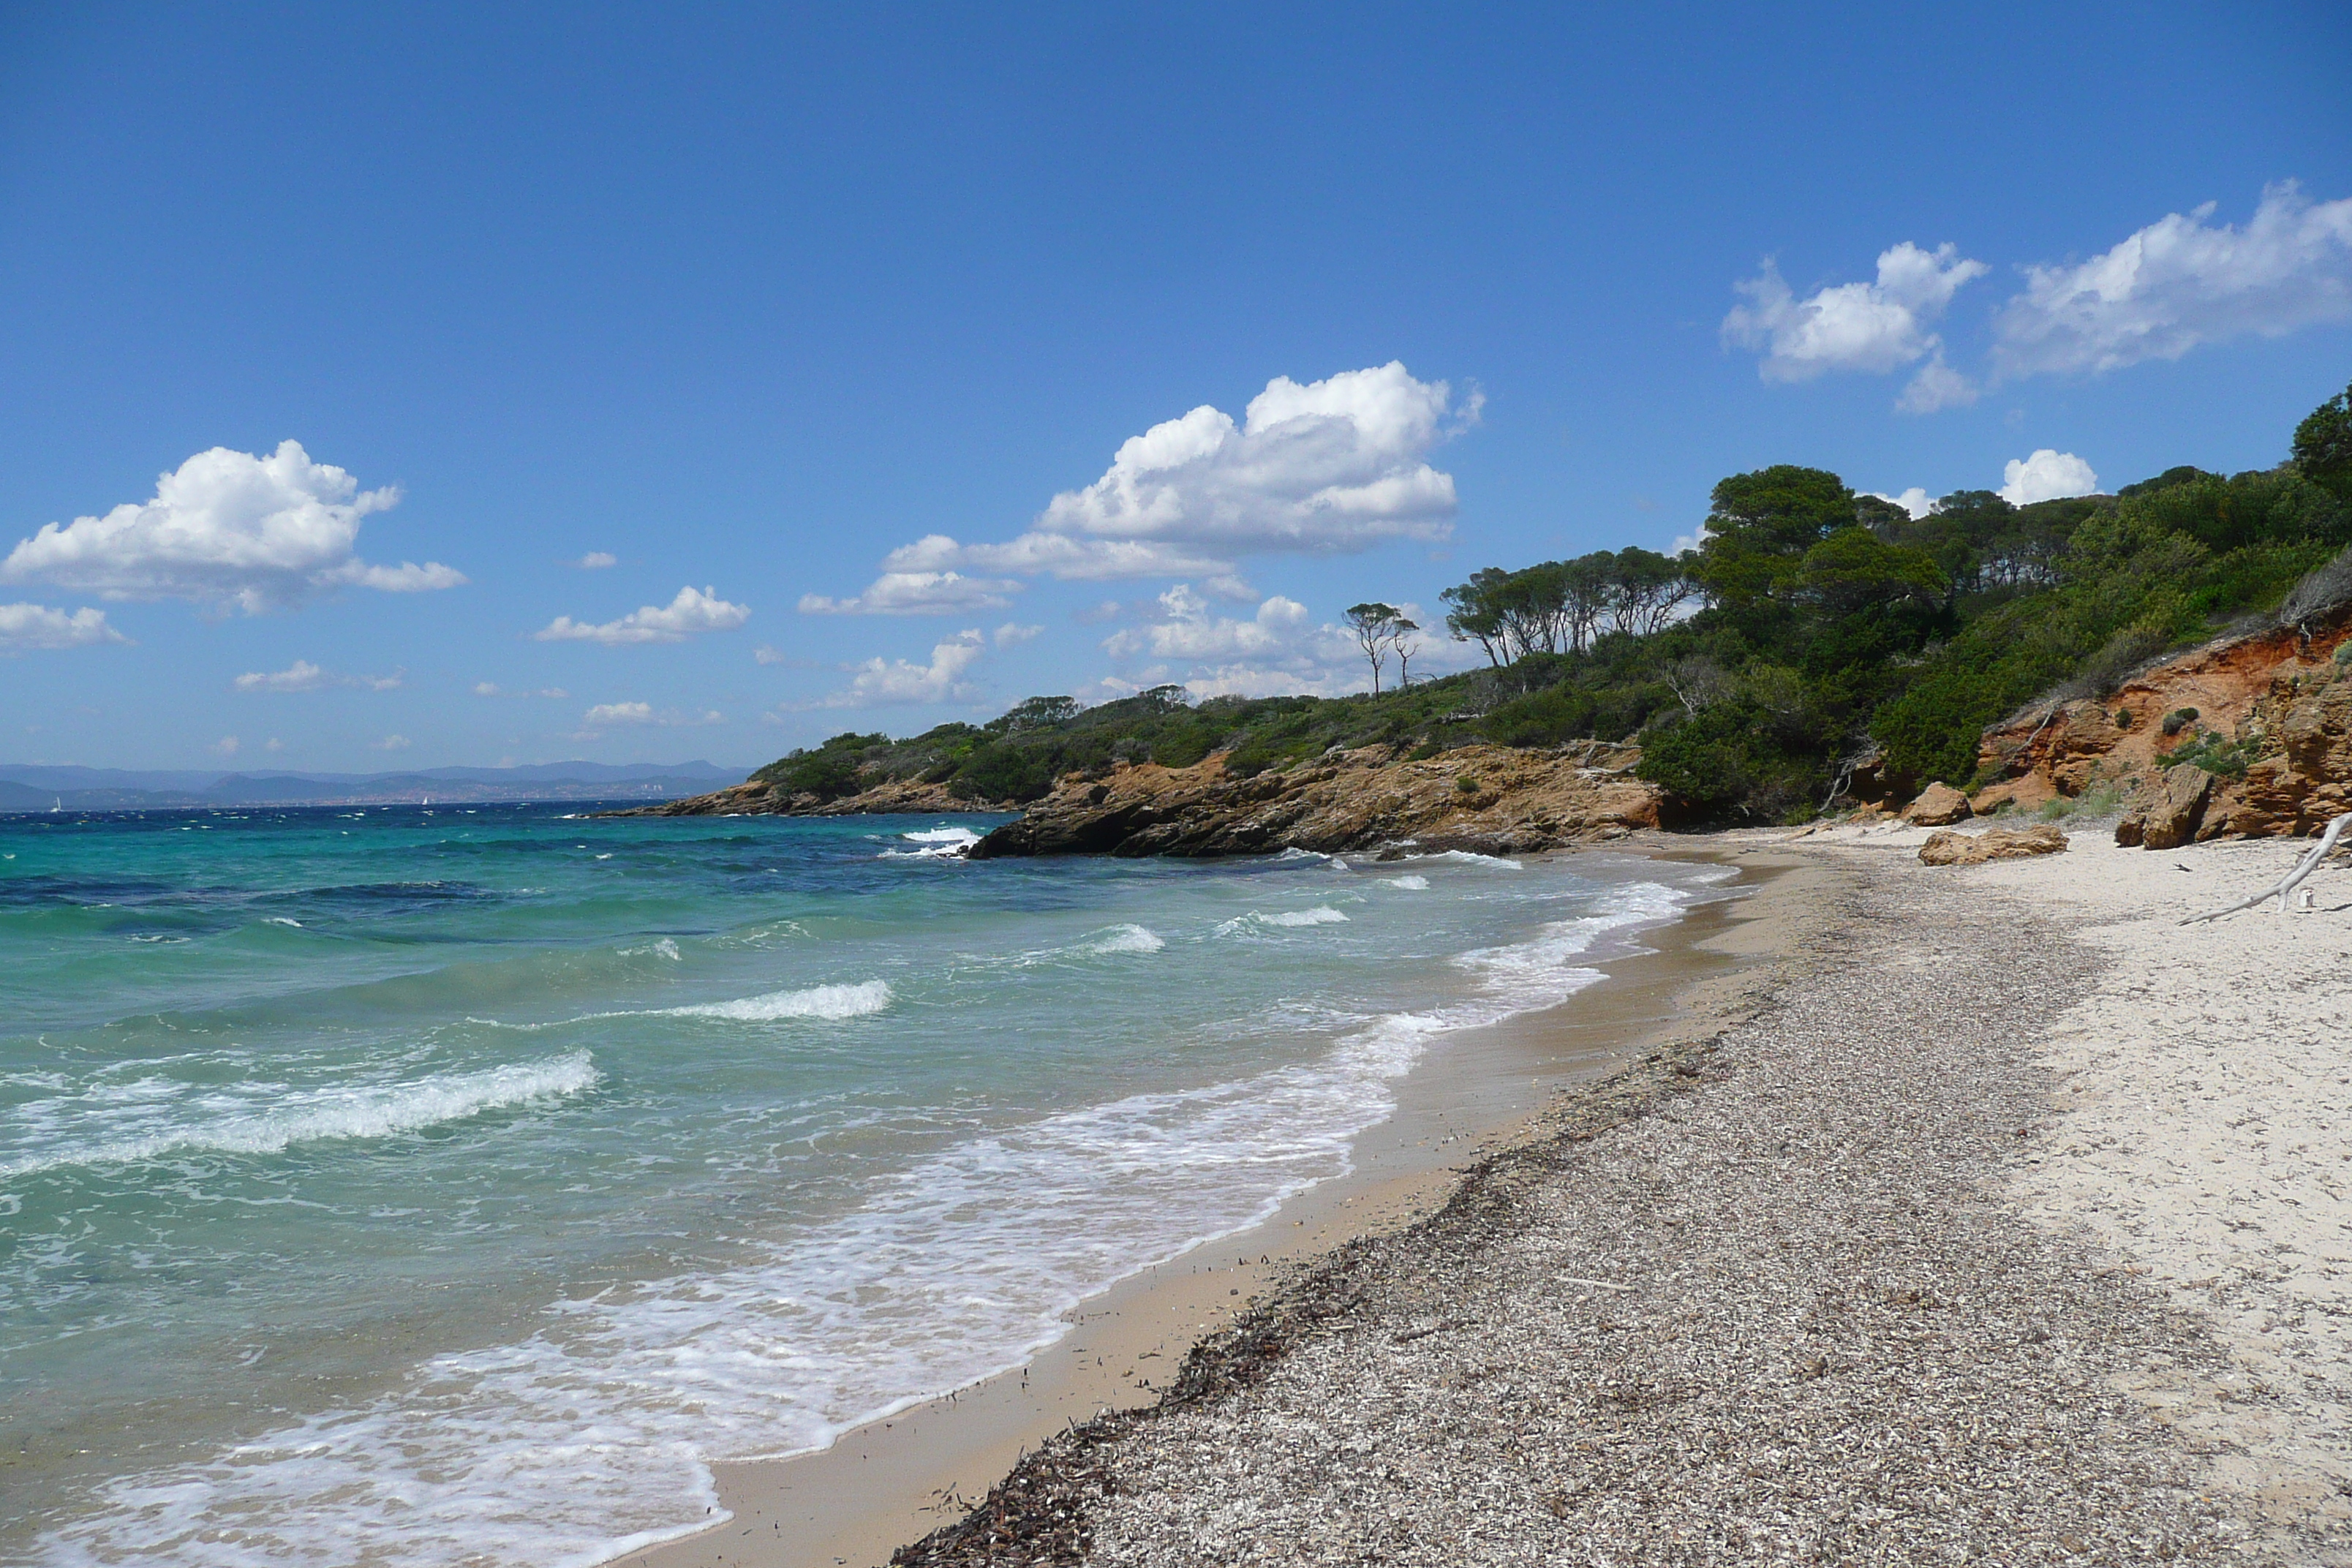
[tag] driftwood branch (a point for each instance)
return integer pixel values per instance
(2286, 884)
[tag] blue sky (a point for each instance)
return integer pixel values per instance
(806, 322)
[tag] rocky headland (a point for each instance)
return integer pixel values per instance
(1487, 799)
(765, 797)
(2248, 736)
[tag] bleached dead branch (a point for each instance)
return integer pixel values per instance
(2286, 885)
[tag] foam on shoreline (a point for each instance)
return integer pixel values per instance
(950, 1272)
(874, 1489)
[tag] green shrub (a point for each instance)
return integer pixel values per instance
(2104, 798)
(2226, 757)
(827, 775)
(999, 772)
(1544, 717)
(1467, 784)
(1728, 758)
(2123, 653)
(1250, 758)
(2180, 719)
(1181, 748)
(1931, 731)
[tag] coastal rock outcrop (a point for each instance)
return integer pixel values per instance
(1938, 805)
(2246, 737)
(2300, 773)
(757, 797)
(1949, 848)
(2168, 809)
(1485, 799)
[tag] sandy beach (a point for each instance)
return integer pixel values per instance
(1928, 1214)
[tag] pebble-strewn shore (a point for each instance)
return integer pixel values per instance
(1770, 1296)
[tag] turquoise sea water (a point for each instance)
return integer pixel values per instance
(436, 1186)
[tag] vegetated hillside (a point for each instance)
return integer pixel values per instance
(1833, 636)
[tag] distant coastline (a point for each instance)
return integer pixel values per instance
(39, 787)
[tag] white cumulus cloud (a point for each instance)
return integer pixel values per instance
(683, 616)
(1936, 385)
(2047, 475)
(1280, 651)
(390, 744)
(1189, 631)
(881, 682)
(1012, 634)
(620, 714)
(26, 628)
(2182, 281)
(597, 560)
(1873, 328)
(225, 745)
(1914, 500)
(1086, 560)
(1320, 468)
(304, 676)
(228, 528)
(604, 714)
(493, 689)
(916, 594)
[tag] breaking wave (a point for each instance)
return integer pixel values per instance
(170, 1117)
(823, 1002)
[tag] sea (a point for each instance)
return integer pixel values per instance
(454, 1184)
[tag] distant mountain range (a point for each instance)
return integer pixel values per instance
(36, 787)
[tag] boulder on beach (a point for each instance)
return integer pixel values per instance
(1937, 803)
(1949, 848)
(2168, 809)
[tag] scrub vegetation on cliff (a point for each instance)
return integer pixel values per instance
(1813, 632)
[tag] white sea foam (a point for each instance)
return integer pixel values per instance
(282, 921)
(938, 843)
(122, 1122)
(595, 1436)
(1409, 883)
(662, 947)
(1468, 857)
(1321, 915)
(823, 1002)
(1123, 938)
(1527, 976)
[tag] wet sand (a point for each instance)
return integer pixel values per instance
(887, 1484)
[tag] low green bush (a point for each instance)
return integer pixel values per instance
(2214, 754)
